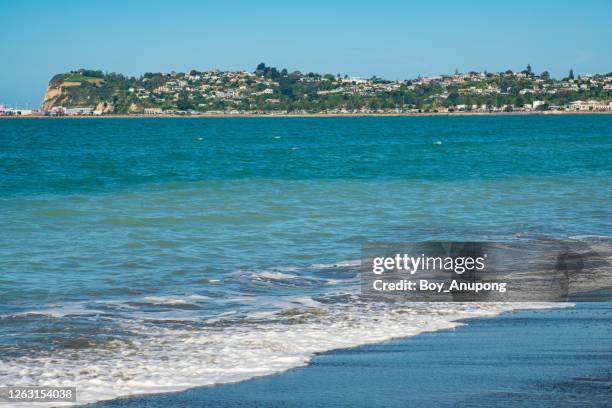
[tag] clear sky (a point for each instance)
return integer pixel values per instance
(390, 39)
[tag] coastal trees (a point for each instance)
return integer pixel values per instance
(183, 103)
(452, 99)
(285, 86)
(91, 73)
(268, 72)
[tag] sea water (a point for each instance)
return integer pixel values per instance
(148, 255)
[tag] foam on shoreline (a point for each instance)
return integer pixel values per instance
(177, 357)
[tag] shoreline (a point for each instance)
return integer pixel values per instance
(480, 360)
(462, 318)
(307, 115)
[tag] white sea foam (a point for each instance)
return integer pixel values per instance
(160, 359)
(173, 300)
(274, 275)
(341, 264)
(288, 273)
(57, 311)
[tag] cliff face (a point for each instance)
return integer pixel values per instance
(68, 94)
(50, 96)
(56, 95)
(85, 89)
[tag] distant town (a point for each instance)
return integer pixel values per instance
(270, 91)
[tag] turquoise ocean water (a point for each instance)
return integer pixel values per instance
(143, 255)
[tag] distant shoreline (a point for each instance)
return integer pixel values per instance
(306, 115)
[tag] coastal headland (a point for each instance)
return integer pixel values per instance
(268, 91)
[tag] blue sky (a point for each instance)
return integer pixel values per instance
(390, 39)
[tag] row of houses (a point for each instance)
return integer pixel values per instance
(6, 111)
(76, 111)
(591, 105)
(578, 106)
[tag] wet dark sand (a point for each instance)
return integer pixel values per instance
(545, 358)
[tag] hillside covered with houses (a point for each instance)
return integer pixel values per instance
(268, 90)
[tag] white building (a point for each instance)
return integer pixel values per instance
(153, 111)
(18, 112)
(589, 105)
(79, 111)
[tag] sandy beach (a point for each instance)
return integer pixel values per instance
(557, 357)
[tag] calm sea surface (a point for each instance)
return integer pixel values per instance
(143, 255)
